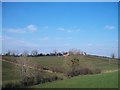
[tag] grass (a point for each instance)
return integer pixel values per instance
(107, 80)
(9, 73)
(49, 61)
(90, 61)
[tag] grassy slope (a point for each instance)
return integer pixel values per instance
(8, 71)
(108, 80)
(49, 61)
(90, 61)
(95, 62)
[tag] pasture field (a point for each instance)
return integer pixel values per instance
(9, 73)
(106, 80)
(91, 61)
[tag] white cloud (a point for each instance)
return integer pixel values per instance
(6, 38)
(25, 43)
(10, 42)
(16, 30)
(61, 29)
(46, 27)
(43, 38)
(68, 30)
(29, 28)
(75, 30)
(109, 27)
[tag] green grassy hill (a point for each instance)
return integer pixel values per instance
(106, 80)
(105, 64)
(90, 61)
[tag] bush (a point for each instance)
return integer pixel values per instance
(85, 71)
(57, 69)
(11, 85)
(97, 71)
(27, 81)
(50, 79)
(82, 71)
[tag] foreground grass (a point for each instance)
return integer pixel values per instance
(107, 80)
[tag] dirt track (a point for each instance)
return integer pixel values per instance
(109, 71)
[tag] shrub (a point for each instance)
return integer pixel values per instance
(86, 71)
(57, 69)
(27, 81)
(82, 71)
(12, 85)
(97, 71)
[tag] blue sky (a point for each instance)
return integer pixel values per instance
(88, 26)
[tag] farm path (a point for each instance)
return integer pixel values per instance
(110, 71)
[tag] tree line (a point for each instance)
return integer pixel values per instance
(35, 53)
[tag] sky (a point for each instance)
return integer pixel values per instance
(45, 26)
(60, 0)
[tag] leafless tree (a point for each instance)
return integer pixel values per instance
(8, 53)
(25, 53)
(85, 53)
(55, 52)
(27, 69)
(71, 63)
(13, 52)
(113, 55)
(74, 52)
(34, 52)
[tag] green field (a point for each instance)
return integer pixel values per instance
(95, 62)
(107, 80)
(91, 81)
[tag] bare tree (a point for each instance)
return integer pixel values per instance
(17, 53)
(25, 53)
(85, 53)
(13, 52)
(34, 52)
(55, 52)
(8, 53)
(27, 70)
(74, 52)
(71, 63)
(113, 55)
